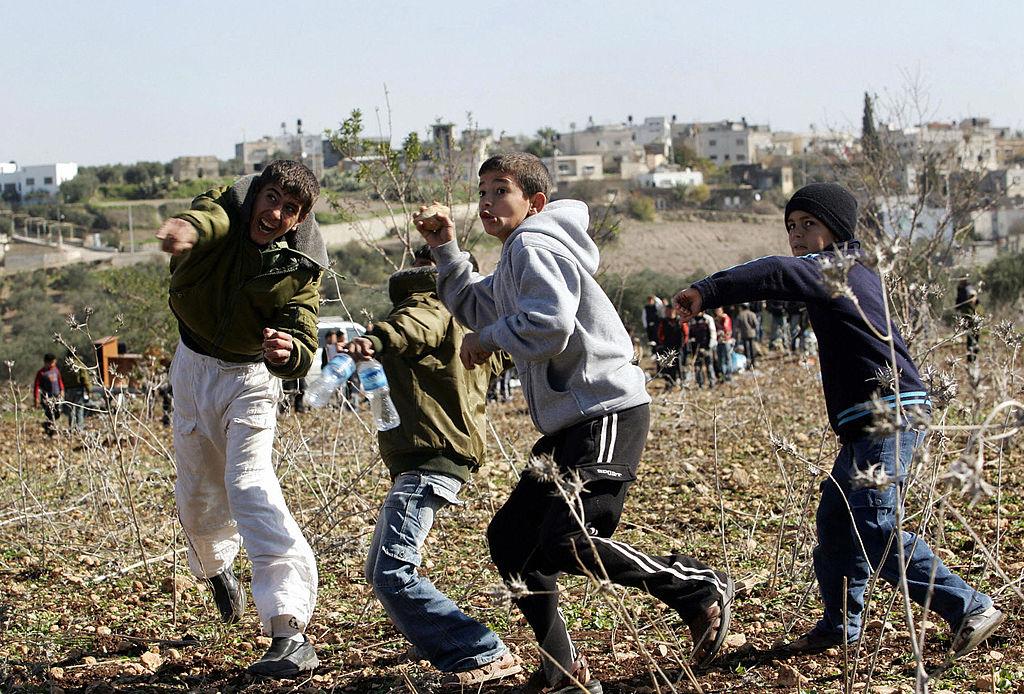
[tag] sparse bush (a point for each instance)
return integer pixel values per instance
(1004, 279)
(641, 207)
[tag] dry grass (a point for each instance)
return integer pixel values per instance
(79, 610)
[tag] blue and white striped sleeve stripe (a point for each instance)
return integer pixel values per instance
(916, 397)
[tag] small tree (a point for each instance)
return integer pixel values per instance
(641, 207)
(868, 134)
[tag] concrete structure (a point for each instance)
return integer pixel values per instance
(308, 149)
(655, 136)
(1003, 226)
(42, 179)
(787, 144)
(828, 142)
(1004, 182)
(669, 178)
(1010, 149)
(615, 143)
(730, 142)
(760, 177)
(190, 168)
(570, 168)
(946, 147)
(903, 216)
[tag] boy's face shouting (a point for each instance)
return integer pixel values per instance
(504, 205)
(807, 233)
(274, 214)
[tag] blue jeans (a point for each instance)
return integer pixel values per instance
(873, 512)
(725, 359)
(439, 630)
(75, 406)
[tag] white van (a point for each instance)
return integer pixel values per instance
(327, 324)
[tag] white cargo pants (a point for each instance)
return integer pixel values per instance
(227, 492)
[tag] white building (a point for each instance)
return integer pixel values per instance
(947, 147)
(667, 178)
(730, 142)
(902, 216)
(41, 179)
(308, 149)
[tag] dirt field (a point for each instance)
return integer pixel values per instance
(682, 247)
(95, 595)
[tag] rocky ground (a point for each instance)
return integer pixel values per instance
(95, 595)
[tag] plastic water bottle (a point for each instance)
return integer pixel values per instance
(375, 387)
(332, 377)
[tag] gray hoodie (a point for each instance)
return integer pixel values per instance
(543, 306)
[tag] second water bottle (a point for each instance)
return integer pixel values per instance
(375, 387)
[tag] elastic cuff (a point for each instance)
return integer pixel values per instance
(447, 253)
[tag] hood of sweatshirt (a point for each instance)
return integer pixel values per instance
(411, 280)
(565, 222)
(304, 238)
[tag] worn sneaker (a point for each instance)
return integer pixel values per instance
(974, 630)
(508, 664)
(228, 595)
(816, 641)
(286, 658)
(566, 684)
(709, 628)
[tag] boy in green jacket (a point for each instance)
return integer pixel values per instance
(244, 287)
(438, 444)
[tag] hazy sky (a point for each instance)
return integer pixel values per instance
(96, 82)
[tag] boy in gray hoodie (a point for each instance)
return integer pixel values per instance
(543, 306)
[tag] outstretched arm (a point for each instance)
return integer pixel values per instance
(772, 277)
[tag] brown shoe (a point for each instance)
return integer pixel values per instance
(710, 627)
(508, 664)
(566, 684)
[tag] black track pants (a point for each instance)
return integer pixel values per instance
(536, 534)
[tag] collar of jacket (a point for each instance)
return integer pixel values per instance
(410, 281)
(304, 238)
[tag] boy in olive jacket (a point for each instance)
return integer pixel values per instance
(244, 287)
(430, 455)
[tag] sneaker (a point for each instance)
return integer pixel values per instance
(286, 658)
(974, 630)
(228, 595)
(538, 682)
(508, 664)
(816, 641)
(709, 628)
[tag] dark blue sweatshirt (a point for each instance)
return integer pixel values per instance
(850, 354)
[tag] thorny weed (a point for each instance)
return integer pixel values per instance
(108, 473)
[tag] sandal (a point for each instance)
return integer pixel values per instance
(710, 628)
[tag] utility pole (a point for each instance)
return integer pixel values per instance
(131, 231)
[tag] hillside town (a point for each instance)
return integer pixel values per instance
(727, 165)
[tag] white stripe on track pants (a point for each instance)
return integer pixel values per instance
(227, 492)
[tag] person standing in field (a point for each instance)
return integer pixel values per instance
(544, 308)
(244, 287)
(856, 522)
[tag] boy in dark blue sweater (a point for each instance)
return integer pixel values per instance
(855, 360)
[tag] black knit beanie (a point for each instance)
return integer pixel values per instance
(829, 202)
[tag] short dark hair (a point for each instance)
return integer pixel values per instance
(423, 253)
(525, 169)
(294, 179)
(49, 357)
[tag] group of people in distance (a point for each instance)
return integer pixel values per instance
(704, 343)
(246, 264)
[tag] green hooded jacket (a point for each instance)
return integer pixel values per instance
(226, 289)
(440, 403)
